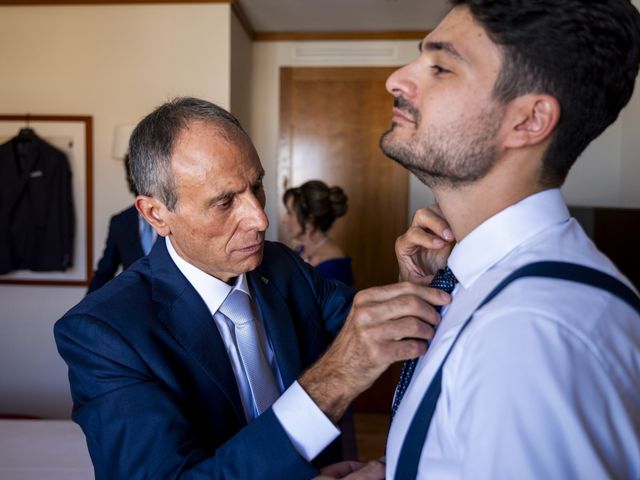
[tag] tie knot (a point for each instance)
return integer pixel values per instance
(237, 307)
(444, 279)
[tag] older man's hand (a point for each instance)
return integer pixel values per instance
(386, 324)
(373, 470)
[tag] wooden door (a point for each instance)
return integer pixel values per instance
(331, 120)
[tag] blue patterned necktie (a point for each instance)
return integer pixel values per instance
(443, 280)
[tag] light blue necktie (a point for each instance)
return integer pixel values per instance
(264, 390)
(445, 280)
(146, 237)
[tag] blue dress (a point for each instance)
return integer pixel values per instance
(337, 269)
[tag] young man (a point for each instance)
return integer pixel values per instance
(544, 382)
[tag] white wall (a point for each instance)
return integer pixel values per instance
(594, 180)
(630, 168)
(241, 73)
(115, 63)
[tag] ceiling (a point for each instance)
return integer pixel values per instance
(343, 15)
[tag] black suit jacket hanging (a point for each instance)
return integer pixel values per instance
(36, 206)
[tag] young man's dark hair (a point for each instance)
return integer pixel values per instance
(548, 47)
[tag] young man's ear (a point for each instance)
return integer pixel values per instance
(154, 212)
(531, 120)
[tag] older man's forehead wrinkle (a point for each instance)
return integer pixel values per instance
(231, 193)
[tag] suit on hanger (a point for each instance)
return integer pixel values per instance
(153, 387)
(122, 247)
(36, 206)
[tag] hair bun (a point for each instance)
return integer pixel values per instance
(338, 200)
(316, 203)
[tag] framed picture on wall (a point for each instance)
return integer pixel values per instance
(73, 136)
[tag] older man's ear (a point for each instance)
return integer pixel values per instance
(154, 212)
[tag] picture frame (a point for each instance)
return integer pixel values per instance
(72, 134)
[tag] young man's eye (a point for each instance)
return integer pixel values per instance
(437, 69)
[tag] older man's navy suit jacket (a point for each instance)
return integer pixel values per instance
(152, 385)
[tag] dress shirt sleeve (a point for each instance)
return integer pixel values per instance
(305, 424)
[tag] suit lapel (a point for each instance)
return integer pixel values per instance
(278, 324)
(188, 319)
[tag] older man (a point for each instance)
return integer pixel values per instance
(176, 364)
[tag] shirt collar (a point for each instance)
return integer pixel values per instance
(212, 290)
(499, 235)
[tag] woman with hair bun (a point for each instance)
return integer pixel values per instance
(311, 210)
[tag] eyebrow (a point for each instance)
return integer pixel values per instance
(219, 198)
(227, 195)
(442, 47)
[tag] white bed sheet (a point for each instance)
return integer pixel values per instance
(43, 450)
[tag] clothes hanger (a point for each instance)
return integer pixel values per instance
(26, 132)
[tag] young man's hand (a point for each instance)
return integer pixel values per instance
(425, 247)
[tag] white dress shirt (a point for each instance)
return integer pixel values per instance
(305, 424)
(544, 383)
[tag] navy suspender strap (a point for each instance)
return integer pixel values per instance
(411, 450)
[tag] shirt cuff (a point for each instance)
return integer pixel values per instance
(308, 428)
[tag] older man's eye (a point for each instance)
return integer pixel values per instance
(225, 204)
